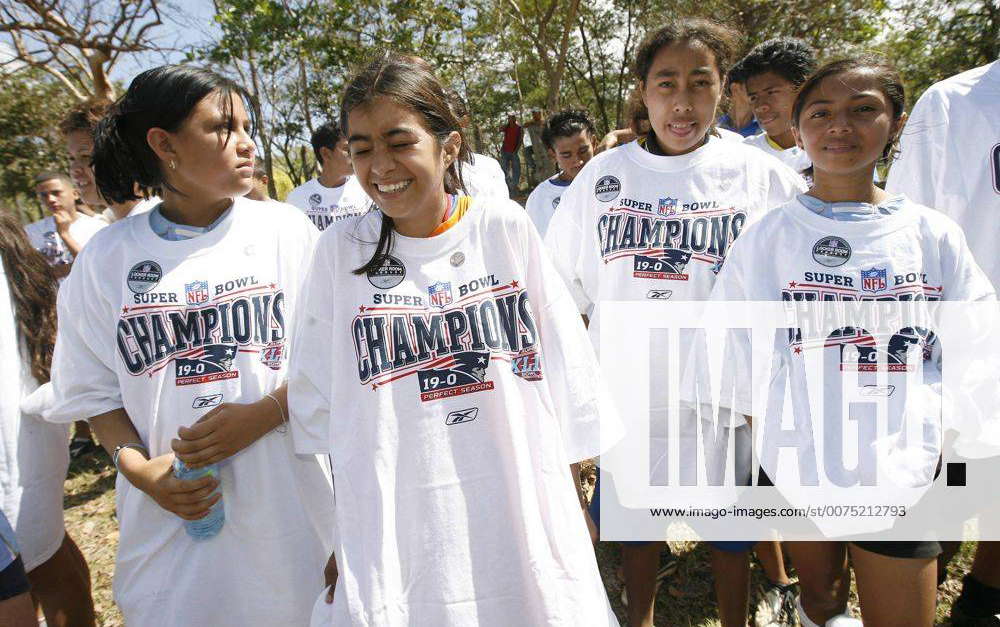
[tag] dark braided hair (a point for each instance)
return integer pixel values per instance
(33, 286)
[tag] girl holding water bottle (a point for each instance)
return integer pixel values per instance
(173, 339)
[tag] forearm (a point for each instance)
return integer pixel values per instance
(114, 429)
(274, 408)
(230, 428)
(71, 243)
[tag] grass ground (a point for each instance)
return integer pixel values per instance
(684, 600)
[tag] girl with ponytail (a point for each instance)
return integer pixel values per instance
(442, 366)
(173, 335)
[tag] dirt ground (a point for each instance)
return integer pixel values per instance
(685, 599)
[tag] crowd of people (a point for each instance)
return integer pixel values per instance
(368, 404)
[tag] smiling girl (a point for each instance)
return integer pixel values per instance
(653, 219)
(847, 117)
(441, 364)
(173, 337)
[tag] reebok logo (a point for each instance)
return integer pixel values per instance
(462, 415)
(211, 400)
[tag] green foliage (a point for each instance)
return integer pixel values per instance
(30, 110)
(939, 38)
(499, 53)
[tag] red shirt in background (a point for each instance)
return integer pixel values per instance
(511, 137)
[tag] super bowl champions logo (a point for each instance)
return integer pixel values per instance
(450, 343)
(204, 338)
(663, 239)
(323, 216)
(870, 352)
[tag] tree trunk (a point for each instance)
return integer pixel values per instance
(304, 90)
(265, 136)
(103, 89)
(556, 79)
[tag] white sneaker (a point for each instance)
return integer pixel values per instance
(840, 620)
(777, 607)
(844, 620)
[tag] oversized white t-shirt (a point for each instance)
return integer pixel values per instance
(452, 389)
(949, 158)
(637, 226)
(911, 254)
(168, 330)
(45, 238)
(33, 453)
(543, 200)
(484, 177)
(793, 157)
(325, 205)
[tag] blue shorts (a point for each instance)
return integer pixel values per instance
(595, 511)
(595, 514)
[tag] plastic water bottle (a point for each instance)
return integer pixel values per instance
(210, 525)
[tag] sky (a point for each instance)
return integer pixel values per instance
(186, 23)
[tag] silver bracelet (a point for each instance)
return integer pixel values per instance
(121, 447)
(283, 428)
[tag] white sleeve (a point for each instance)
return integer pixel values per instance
(84, 380)
(295, 199)
(10, 360)
(565, 240)
(311, 368)
(963, 279)
(784, 185)
(922, 144)
(569, 364)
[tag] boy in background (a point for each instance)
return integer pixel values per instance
(772, 73)
(569, 138)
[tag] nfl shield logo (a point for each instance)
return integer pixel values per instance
(196, 292)
(667, 207)
(440, 294)
(873, 280)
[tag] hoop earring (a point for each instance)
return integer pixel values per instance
(173, 164)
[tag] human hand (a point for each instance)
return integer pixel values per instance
(188, 498)
(63, 221)
(224, 431)
(330, 575)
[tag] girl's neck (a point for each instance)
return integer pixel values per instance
(854, 187)
(423, 223)
(192, 211)
(121, 210)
